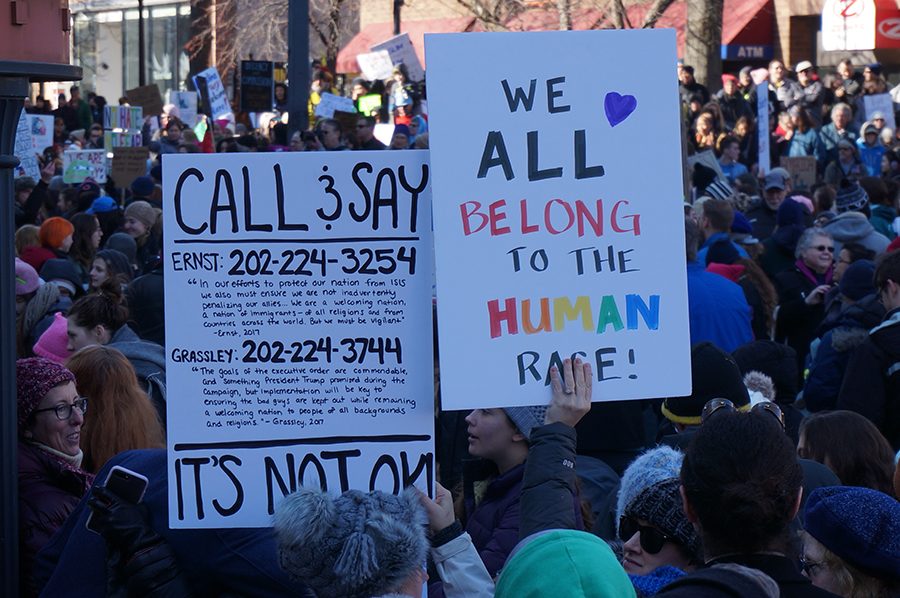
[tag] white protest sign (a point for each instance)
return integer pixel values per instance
(375, 65)
(186, 102)
(883, 103)
(762, 128)
(401, 51)
(79, 164)
(41, 131)
(123, 117)
(331, 103)
(384, 132)
(25, 151)
(218, 100)
(298, 332)
(551, 239)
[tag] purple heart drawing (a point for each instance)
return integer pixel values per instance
(618, 107)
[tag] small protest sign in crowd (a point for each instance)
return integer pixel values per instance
(551, 355)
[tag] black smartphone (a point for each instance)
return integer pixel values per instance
(124, 483)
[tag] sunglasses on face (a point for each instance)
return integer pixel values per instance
(715, 405)
(652, 540)
(828, 248)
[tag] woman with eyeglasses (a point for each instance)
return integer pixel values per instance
(657, 533)
(122, 418)
(51, 479)
(801, 292)
(851, 545)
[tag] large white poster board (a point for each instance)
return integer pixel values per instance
(555, 233)
(186, 102)
(401, 50)
(376, 65)
(298, 328)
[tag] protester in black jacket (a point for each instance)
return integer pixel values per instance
(872, 382)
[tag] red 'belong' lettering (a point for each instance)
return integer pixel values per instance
(495, 216)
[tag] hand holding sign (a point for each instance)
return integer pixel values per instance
(572, 392)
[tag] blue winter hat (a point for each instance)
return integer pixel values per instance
(526, 418)
(790, 212)
(655, 465)
(741, 224)
(860, 525)
(102, 205)
(142, 186)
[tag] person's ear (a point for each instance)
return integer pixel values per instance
(519, 437)
(689, 511)
(796, 508)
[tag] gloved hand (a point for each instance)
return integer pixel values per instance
(124, 526)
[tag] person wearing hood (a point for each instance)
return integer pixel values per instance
(862, 311)
(417, 126)
(883, 211)
(107, 264)
(101, 319)
(871, 384)
(870, 149)
(791, 220)
(852, 223)
(801, 292)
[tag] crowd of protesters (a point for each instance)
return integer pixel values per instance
(776, 476)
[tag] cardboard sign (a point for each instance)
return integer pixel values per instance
(113, 139)
(41, 131)
(762, 129)
(210, 84)
(186, 103)
(803, 171)
(330, 102)
(550, 237)
(147, 97)
(25, 151)
(123, 117)
(883, 103)
(401, 51)
(298, 333)
(128, 163)
(375, 65)
(257, 85)
(79, 165)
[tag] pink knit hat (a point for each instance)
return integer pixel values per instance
(35, 377)
(52, 344)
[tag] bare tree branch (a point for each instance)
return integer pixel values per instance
(618, 14)
(656, 11)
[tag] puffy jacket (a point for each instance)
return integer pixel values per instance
(718, 311)
(826, 372)
(49, 490)
(494, 522)
(872, 383)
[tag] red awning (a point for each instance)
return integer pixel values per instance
(541, 19)
(379, 32)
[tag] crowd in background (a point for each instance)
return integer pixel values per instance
(775, 476)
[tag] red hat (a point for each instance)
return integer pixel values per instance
(54, 231)
(35, 377)
(728, 77)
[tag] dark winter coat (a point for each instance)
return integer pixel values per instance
(792, 583)
(826, 371)
(147, 307)
(762, 219)
(872, 382)
(733, 107)
(494, 522)
(27, 213)
(49, 490)
(797, 322)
